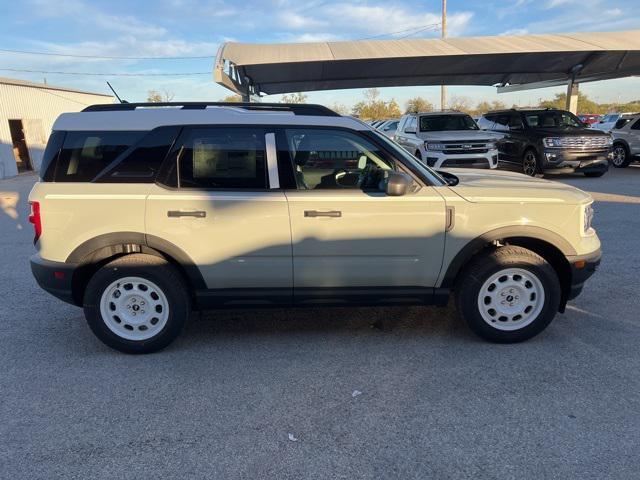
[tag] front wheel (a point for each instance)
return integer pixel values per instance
(620, 156)
(530, 164)
(507, 295)
(137, 303)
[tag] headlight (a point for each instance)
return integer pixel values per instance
(609, 140)
(588, 218)
(435, 146)
(552, 142)
(492, 145)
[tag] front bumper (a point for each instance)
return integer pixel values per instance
(582, 267)
(55, 278)
(571, 161)
(439, 159)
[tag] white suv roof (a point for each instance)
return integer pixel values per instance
(145, 116)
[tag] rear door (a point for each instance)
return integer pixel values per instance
(348, 236)
(221, 206)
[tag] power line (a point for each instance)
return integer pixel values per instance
(417, 29)
(117, 74)
(102, 57)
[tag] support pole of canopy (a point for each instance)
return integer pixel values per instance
(443, 88)
(572, 96)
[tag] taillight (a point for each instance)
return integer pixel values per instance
(34, 218)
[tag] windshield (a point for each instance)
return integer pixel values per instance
(552, 119)
(441, 123)
(612, 117)
(432, 175)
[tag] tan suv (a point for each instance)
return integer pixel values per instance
(144, 213)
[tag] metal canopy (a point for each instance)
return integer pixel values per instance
(509, 62)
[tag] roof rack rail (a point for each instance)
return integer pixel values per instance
(295, 108)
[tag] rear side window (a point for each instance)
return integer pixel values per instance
(141, 162)
(86, 154)
(219, 158)
(50, 156)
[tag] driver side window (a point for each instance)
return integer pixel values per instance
(334, 159)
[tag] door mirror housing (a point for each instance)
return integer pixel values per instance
(397, 184)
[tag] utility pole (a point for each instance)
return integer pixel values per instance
(443, 88)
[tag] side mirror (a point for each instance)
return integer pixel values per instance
(397, 184)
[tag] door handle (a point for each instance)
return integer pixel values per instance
(315, 213)
(179, 213)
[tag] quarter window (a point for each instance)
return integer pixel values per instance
(334, 159)
(222, 158)
(85, 154)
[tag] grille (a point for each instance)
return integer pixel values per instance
(463, 147)
(585, 142)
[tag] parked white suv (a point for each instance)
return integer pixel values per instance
(626, 141)
(144, 214)
(447, 139)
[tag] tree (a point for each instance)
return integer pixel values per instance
(462, 104)
(340, 108)
(232, 99)
(154, 96)
(294, 98)
(372, 108)
(417, 105)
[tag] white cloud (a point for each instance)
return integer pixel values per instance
(557, 3)
(516, 31)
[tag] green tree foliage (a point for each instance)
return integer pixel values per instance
(417, 105)
(372, 107)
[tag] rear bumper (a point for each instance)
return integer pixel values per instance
(582, 267)
(55, 278)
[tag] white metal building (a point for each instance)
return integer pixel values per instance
(27, 112)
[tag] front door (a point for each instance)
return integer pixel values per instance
(348, 236)
(224, 211)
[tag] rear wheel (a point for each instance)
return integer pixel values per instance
(530, 163)
(137, 303)
(508, 295)
(621, 157)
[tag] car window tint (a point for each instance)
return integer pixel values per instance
(502, 122)
(85, 154)
(141, 162)
(441, 123)
(334, 159)
(636, 125)
(222, 158)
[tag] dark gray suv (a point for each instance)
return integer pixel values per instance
(548, 141)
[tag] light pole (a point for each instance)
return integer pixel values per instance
(443, 88)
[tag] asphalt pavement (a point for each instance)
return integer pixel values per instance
(327, 394)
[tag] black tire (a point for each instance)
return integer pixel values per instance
(531, 163)
(621, 155)
(488, 264)
(595, 174)
(147, 267)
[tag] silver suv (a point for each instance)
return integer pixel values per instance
(145, 213)
(447, 139)
(626, 141)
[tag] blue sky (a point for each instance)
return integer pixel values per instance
(196, 28)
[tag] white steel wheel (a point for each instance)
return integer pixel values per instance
(511, 299)
(134, 308)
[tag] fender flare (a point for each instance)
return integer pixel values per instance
(519, 231)
(110, 244)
